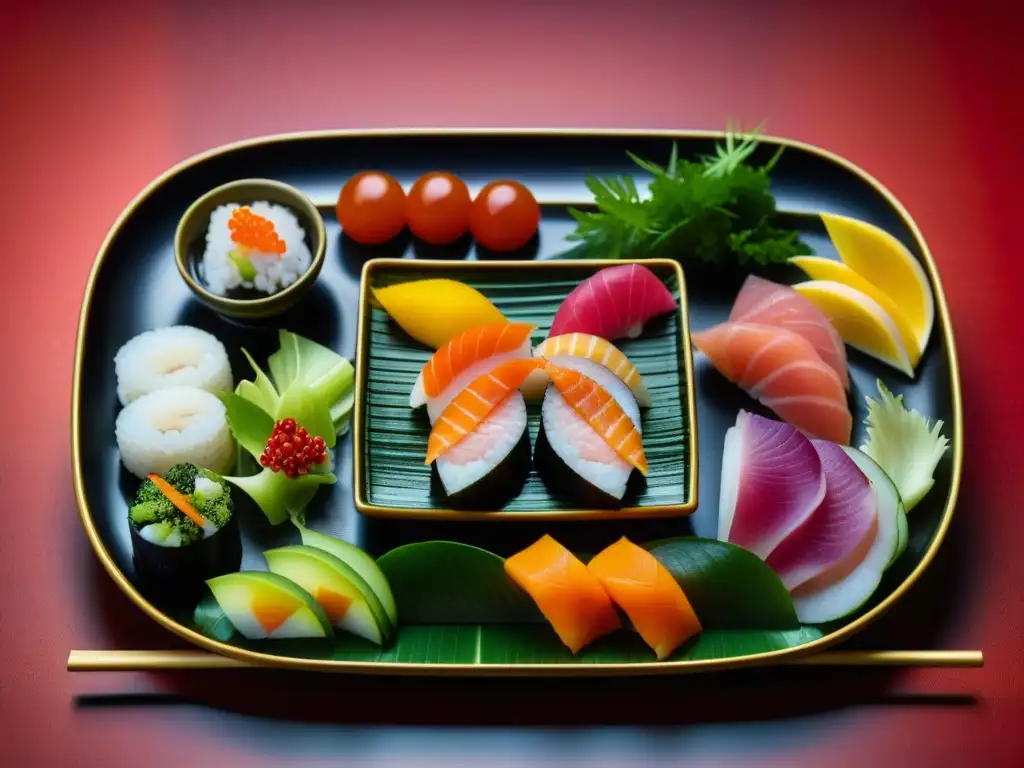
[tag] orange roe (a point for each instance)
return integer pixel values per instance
(255, 231)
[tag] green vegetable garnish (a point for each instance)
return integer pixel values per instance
(904, 445)
(715, 210)
(151, 505)
(245, 268)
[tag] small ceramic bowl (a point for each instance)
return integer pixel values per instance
(190, 242)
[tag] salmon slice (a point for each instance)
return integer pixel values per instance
(767, 303)
(570, 596)
(600, 351)
(460, 355)
(602, 412)
(782, 370)
(472, 406)
(649, 595)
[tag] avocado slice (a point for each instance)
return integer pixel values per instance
(349, 602)
(360, 562)
(268, 606)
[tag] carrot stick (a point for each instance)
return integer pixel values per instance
(178, 499)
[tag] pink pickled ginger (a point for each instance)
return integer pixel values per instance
(613, 303)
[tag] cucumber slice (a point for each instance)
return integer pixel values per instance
(818, 603)
(268, 606)
(349, 602)
(360, 562)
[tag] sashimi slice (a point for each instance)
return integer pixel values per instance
(570, 597)
(472, 406)
(841, 529)
(613, 303)
(604, 414)
(648, 594)
(782, 370)
(600, 351)
(772, 482)
(768, 303)
(462, 359)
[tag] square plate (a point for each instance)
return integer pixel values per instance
(391, 479)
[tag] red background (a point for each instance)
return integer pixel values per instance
(97, 100)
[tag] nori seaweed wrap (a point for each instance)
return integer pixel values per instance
(173, 555)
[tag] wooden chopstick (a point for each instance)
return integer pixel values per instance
(127, 661)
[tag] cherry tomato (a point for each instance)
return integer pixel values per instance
(437, 208)
(504, 216)
(371, 208)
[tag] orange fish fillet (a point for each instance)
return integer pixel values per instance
(469, 347)
(570, 597)
(649, 595)
(783, 371)
(473, 404)
(599, 351)
(594, 404)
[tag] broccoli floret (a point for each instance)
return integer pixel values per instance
(183, 477)
(149, 492)
(148, 512)
(212, 498)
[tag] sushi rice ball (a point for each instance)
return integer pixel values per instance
(260, 247)
(572, 459)
(167, 357)
(173, 426)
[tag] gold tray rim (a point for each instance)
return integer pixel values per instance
(534, 670)
(413, 513)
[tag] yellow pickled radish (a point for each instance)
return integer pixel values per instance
(818, 268)
(437, 310)
(886, 263)
(860, 320)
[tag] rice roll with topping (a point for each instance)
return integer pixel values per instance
(260, 247)
(171, 426)
(178, 356)
(183, 531)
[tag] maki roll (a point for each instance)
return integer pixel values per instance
(589, 443)
(479, 446)
(183, 531)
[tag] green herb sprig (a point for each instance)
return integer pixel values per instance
(716, 209)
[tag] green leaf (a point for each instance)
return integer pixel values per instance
(249, 423)
(298, 402)
(279, 496)
(261, 391)
(393, 473)
(445, 582)
(727, 586)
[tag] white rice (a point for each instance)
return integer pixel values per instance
(273, 272)
(168, 357)
(174, 425)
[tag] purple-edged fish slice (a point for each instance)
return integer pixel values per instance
(837, 536)
(772, 482)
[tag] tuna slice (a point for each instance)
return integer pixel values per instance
(762, 301)
(781, 370)
(837, 536)
(613, 303)
(772, 482)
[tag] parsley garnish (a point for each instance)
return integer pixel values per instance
(715, 209)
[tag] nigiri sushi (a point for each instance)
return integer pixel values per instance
(783, 371)
(762, 301)
(600, 351)
(613, 303)
(648, 594)
(589, 442)
(463, 359)
(480, 445)
(772, 482)
(570, 596)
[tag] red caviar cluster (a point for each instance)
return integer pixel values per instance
(255, 231)
(291, 449)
